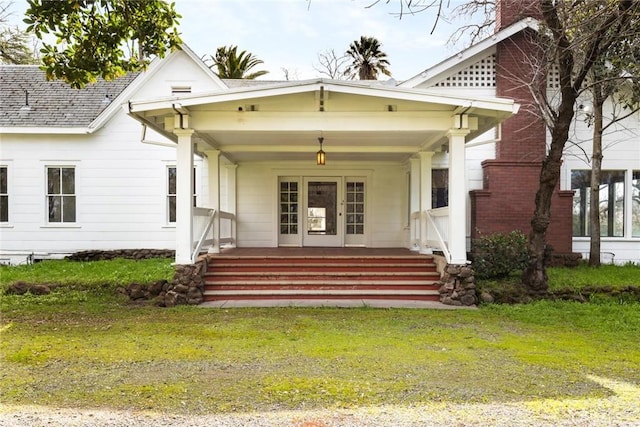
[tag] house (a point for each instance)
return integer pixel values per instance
(175, 158)
(77, 173)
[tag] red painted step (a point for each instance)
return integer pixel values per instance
(312, 278)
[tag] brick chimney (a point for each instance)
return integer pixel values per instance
(511, 11)
(511, 180)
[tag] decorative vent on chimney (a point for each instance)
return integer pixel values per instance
(480, 74)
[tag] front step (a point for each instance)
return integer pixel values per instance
(335, 278)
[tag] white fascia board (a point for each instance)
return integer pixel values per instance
(117, 103)
(427, 96)
(200, 63)
(236, 94)
(471, 52)
(152, 69)
(46, 130)
(396, 93)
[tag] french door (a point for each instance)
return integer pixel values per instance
(322, 217)
(321, 211)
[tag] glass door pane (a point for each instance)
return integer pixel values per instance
(322, 222)
(288, 211)
(322, 215)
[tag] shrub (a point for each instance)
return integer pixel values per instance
(497, 255)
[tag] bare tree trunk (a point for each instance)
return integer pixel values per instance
(596, 173)
(535, 275)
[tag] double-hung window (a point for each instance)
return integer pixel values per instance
(61, 194)
(439, 188)
(172, 174)
(4, 194)
(635, 204)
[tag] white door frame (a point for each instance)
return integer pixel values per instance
(328, 240)
(299, 175)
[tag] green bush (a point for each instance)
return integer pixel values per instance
(497, 255)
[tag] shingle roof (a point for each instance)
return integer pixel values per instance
(52, 103)
(237, 83)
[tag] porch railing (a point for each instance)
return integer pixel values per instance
(227, 228)
(203, 230)
(431, 230)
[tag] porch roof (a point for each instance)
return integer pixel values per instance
(282, 120)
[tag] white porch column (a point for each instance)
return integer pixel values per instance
(184, 196)
(425, 198)
(457, 196)
(213, 164)
(414, 203)
(231, 197)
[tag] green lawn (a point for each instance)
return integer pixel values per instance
(79, 347)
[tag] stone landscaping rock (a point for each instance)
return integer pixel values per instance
(458, 286)
(137, 254)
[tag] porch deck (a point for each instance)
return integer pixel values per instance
(317, 252)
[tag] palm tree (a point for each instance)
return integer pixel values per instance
(234, 65)
(367, 59)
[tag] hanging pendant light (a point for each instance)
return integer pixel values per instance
(320, 155)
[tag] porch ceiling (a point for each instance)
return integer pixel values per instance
(302, 145)
(283, 122)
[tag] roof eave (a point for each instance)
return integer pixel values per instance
(400, 93)
(471, 52)
(37, 130)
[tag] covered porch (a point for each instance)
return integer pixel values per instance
(260, 142)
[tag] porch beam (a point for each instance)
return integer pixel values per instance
(306, 148)
(184, 196)
(457, 196)
(407, 121)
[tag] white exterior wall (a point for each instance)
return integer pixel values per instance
(257, 199)
(120, 182)
(120, 187)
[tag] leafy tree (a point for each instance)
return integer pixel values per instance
(14, 43)
(233, 65)
(367, 60)
(101, 38)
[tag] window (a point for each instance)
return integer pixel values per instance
(611, 206)
(61, 197)
(635, 204)
(172, 173)
(4, 194)
(439, 188)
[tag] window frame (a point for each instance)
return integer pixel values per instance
(173, 196)
(5, 195)
(634, 208)
(434, 188)
(581, 196)
(63, 195)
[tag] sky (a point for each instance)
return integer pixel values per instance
(289, 34)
